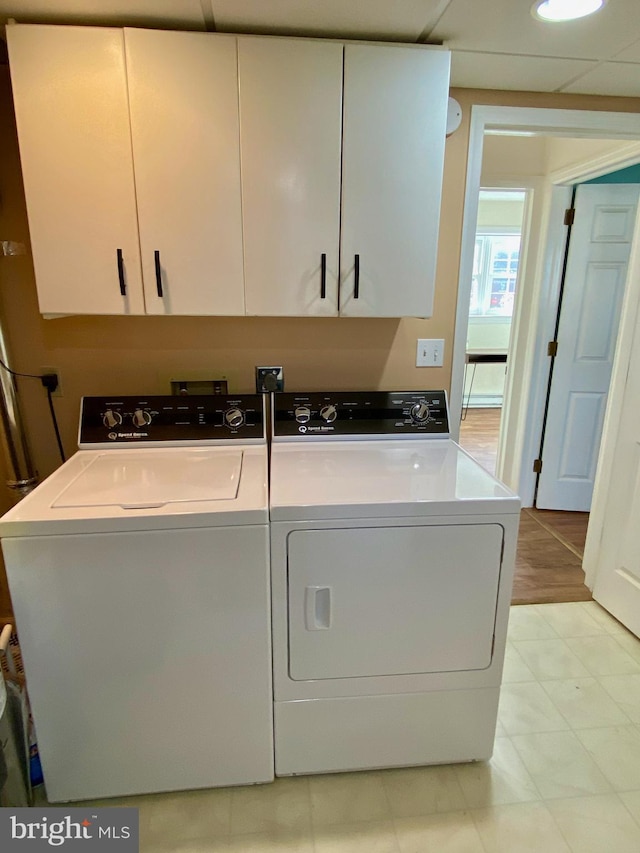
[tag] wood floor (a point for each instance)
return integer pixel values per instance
(550, 543)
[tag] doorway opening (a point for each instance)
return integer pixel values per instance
(525, 387)
(498, 248)
(533, 319)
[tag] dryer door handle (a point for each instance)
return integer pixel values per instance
(317, 608)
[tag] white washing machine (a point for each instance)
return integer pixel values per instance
(139, 575)
(392, 555)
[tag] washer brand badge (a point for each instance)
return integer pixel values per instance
(34, 830)
(115, 435)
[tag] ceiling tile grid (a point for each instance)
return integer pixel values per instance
(495, 44)
(398, 20)
(507, 26)
(508, 71)
(608, 78)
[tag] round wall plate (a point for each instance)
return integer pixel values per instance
(454, 116)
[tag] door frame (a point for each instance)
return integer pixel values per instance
(528, 368)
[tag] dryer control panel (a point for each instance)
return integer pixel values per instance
(360, 414)
(171, 419)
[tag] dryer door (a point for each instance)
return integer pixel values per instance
(392, 600)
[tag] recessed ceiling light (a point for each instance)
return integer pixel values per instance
(565, 10)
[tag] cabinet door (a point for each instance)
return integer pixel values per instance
(183, 90)
(70, 92)
(290, 119)
(395, 106)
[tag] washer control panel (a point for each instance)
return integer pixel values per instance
(344, 414)
(136, 420)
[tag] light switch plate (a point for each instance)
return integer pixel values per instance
(430, 352)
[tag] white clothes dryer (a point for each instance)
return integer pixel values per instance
(139, 575)
(392, 555)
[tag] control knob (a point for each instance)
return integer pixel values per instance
(111, 419)
(420, 412)
(303, 414)
(141, 418)
(234, 418)
(329, 413)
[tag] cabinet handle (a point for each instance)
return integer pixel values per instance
(123, 286)
(156, 256)
(356, 284)
(323, 276)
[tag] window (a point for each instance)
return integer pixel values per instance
(495, 270)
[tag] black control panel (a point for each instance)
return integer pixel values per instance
(344, 414)
(131, 420)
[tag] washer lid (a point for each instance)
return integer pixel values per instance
(135, 480)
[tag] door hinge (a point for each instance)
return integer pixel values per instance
(537, 466)
(569, 215)
(552, 349)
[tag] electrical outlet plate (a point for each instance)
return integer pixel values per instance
(430, 352)
(266, 377)
(44, 371)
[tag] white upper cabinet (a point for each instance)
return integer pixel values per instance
(205, 174)
(290, 120)
(395, 108)
(183, 94)
(392, 148)
(70, 92)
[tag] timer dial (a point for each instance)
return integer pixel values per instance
(234, 418)
(329, 413)
(420, 412)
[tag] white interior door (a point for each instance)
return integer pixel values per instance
(594, 286)
(617, 585)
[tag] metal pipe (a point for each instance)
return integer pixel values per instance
(13, 439)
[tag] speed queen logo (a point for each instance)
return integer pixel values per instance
(36, 830)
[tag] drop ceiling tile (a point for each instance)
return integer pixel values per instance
(630, 54)
(609, 78)
(373, 19)
(165, 14)
(505, 25)
(470, 70)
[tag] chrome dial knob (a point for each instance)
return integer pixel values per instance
(111, 419)
(329, 413)
(141, 418)
(234, 418)
(303, 414)
(420, 412)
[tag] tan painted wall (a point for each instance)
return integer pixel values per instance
(102, 354)
(513, 156)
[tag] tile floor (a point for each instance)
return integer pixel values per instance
(564, 778)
